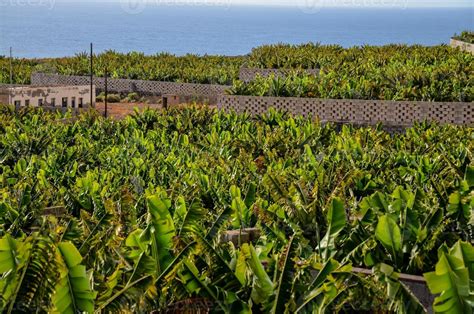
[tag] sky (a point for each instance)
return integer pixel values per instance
(327, 3)
(366, 3)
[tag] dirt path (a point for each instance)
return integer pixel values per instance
(121, 110)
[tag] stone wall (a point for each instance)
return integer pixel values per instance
(463, 45)
(249, 74)
(125, 86)
(359, 112)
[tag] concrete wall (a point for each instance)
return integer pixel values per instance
(4, 95)
(360, 112)
(462, 45)
(249, 74)
(4, 99)
(3, 85)
(49, 96)
(168, 100)
(125, 86)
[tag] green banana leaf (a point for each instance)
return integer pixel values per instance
(452, 279)
(73, 291)
(389, 234)
(336, 218)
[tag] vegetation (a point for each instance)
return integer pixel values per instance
(389, 72)
(21, 68)
(466, 36)
(394, 72)
(160, 67)
(334, 86)
(103, 215)
(357, 60)
(115, 98)
(111, 98)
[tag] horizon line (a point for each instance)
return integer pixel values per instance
(229, 3)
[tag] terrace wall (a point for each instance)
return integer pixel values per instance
(463, 45)
(358, 112)
(208, 91)
(249, 74)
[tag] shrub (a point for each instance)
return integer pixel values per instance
(113, 98)
(132, 97)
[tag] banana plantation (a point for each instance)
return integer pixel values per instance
(101, 215)
(387, 73)
(421, 86)
(392, 72)
(135, 65)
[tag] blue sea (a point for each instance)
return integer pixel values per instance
(45, 28)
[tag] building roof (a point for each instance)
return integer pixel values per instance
(13, 86)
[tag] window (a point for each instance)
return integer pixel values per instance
(53, 102)
(17, 103)
(73, 102)
(64, 101)
(27, 102)
(40, 102)
(80, 102)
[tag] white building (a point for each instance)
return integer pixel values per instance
(48, 96)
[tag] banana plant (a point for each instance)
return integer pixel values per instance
(400, 297)
(322, 198)
(241, 208)
(461, 202)
(336, 221)
(298, 286)
(402, 224)
(38, 273)
(73, 292)
(453, 279)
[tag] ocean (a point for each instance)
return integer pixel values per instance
(43, 28)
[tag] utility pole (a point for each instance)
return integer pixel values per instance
(11, 79)
(11, 66)
(106, 91)
(92, 74)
